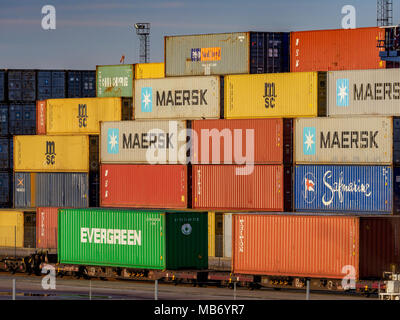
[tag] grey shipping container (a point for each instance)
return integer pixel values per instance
(51, 190)
(351, 140)
(226, 53)
(364, 92)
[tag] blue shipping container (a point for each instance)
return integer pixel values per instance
(22, 119)
(5, 190)
(51, 84)
(356, 189)
(4, 153)
(2, 85)
(21, 85)
(3, 120)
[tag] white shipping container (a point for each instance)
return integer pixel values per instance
(227, 235)
(143, 141)
(178, 98)
(364, 92)
(352, 140)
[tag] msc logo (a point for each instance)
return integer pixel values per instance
(186, 229)
(342, 92)
(113, 141)
(309, 139)
(309, 187)
(50, 152)
(82, 115)
(269, 95)
(147, 99)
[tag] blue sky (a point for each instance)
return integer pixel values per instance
(90, 33)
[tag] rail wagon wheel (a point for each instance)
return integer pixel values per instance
(331, 285)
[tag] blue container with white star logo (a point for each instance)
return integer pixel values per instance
(113, 141)
(342, 92)
(309, 139)
(147, 99)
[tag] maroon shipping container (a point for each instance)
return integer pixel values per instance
(315, 246)
(143, 186)
(221, 187)
(46, 228)
(261, 141)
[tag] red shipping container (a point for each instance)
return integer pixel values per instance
(340, 49)
(221, 187)
(262, 140)
(143, 186)
(315, 246)
(41, 117)
(46, 228)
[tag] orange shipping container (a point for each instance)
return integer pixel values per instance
(340, 49)
(315, 246)
(228, 187)
(41, 117)
(46, 228)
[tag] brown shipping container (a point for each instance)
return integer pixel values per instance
(261, 141)
(46, 228)
(223, 187)
(340, 49)
(315, 246)
(143, 186)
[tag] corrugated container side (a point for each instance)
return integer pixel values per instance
(51, 153)
(350, 189)
(150, 186)
(260, 140)
(364, 92)
(80, 115)
(143, 141)
(379, 246)
(142, 247)
(325, 50)
(302, 246)
(51, 190)
(149, 70)
(355, 140)
(177, 98)
(12, 229)
(223, 187)
(46, 228)
(287, 95)
(115, 80)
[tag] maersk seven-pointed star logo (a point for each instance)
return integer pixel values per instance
(342, 90)
(147, 99)
(309, 141)
(113, 141)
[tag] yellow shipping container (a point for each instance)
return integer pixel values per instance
(211, 234)
(11, 229)
(149, 70)
(275, 95)
(51, 153)
(80, 115)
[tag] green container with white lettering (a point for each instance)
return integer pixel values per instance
(115, 81)
(137, 239)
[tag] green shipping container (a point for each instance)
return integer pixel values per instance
(114, 81)
(133, 238)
